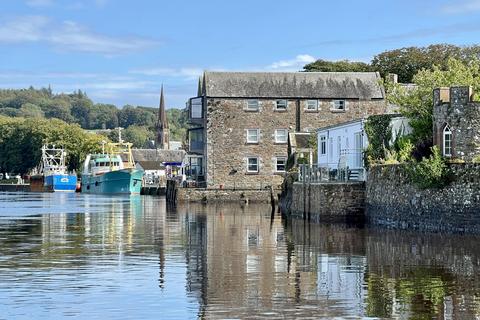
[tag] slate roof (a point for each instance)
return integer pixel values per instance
(301, 140)
(328, 85)
(151, 165)
(157, 155)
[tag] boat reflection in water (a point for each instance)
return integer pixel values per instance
(91, 256)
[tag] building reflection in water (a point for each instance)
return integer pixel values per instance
(236, 261)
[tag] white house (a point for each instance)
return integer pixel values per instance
(342, 146)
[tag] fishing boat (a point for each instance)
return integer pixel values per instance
(112, 172)
(52, 174)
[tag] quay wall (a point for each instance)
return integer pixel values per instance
(335, 202)
(222, 195)
(14, 187)
(393, 201)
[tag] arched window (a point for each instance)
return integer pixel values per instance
(447, 141)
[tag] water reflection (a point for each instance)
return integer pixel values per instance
(134, 257)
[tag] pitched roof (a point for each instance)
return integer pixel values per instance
(329, 85)
(158, 155)
(151, 165)
(301, 140)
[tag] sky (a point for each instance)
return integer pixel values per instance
(122, 51)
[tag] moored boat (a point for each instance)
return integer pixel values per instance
(53, 174)
(112, 172)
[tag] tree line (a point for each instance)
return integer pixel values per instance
(78, 108)
(405, 62)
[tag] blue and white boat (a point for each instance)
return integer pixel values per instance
(53, 174)
(112, 172)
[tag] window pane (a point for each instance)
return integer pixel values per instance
(252, 164)
(281, 135)
(312, 104)
(281, 163)
(281, 104)
(252, 135)
(339, 104)
(252, 104)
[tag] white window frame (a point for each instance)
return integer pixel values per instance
(284, 158)
(323, 145)
(277, 136)
(336, 104)
(283, 101)
(447, 131)
(253, 102)
(315, 105)
(257, 135)
(257, 165)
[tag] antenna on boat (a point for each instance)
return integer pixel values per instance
(120, 134)
(103, 146)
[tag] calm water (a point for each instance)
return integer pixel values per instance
(95, 257)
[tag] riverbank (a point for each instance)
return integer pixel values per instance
(14, 187)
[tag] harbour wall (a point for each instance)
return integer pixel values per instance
(14, 187)
(393, 201)
(335, 202)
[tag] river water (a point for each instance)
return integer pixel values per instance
(96, 257)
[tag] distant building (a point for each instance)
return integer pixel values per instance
(175, 145)
(456, 123)
(240, 121)
(163, 132)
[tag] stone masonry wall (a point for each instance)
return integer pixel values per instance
(391, 200)
(226, 147)
(219, 195)
(338, 202)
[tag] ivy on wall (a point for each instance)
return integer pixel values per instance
(379, 134)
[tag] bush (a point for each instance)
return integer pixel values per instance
(431, 172)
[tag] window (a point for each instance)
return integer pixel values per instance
(196, 108)
(280, 164)
(281, 136)
(323, 145)
(252, 105)
(253, 135)
(252, 164)
(281, 105)
(447, 141)
(339, 105)
(312, 105)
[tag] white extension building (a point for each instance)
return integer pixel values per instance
(342, 146)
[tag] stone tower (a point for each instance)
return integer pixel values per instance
(163, 132)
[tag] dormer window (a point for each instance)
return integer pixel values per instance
(447, 141)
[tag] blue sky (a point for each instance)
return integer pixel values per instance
(121, 51)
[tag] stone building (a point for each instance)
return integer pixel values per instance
(456, 123)
(162, 140)
(241, 120)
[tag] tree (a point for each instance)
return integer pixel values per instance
(30, 110)
(417, 103)
(103, 116)
(406, 62)
(337, 66)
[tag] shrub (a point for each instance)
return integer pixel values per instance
(431, 172)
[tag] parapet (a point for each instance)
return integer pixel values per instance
(457, 95)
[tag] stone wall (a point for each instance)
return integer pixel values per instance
(227, 122)
(338, 202)
(391, 200)
(462, 116)
(222, 195)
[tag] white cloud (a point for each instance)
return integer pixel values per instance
(39, 3)
(461, 7)
(293, 64)
(69, 36)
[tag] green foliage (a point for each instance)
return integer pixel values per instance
(337, 66)
(405, 148)
(21, 141)
(431, 172)
(78, 108)
(407, 62)
(417, 103)
(379, 134)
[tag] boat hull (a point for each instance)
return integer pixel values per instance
(125, 181)
(61, 183)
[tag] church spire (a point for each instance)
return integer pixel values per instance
(163, 133)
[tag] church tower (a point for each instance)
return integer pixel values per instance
(163, 133)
